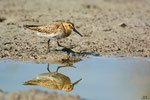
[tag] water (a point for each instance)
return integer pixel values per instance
(102, 78)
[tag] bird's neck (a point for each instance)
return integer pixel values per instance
(65, 28)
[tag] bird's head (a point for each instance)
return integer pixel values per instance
(69, 87)
(70, 26)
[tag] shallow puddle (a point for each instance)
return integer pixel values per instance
(102, 78)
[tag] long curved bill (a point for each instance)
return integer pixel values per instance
(77, 32)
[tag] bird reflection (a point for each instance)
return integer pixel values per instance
(53, 80)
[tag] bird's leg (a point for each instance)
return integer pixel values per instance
(48, 45)
(59, 44)
(63, 66)
(48, 68)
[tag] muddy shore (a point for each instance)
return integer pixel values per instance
(110, 27)
(36, 95)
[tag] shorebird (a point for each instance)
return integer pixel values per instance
(54, 30)
(53, 80)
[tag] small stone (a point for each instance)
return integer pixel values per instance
(123, 25)
(2, 19)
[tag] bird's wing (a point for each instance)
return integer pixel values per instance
(32, 82)
(48, 28)
(52, 84)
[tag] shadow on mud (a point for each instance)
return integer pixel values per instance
(69, 51)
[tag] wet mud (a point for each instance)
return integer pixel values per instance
(109, 27)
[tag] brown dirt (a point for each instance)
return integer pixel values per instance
(36, 95)
(110, 27)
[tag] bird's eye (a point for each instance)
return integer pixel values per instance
(69, 25)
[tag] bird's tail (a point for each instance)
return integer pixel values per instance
(31, 82)
(32, 27)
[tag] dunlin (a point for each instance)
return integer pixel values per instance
(54, 30)
(53, 80)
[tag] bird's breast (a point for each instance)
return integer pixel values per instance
(66, 34)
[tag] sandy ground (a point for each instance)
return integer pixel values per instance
(110, 27)
(36, 95)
